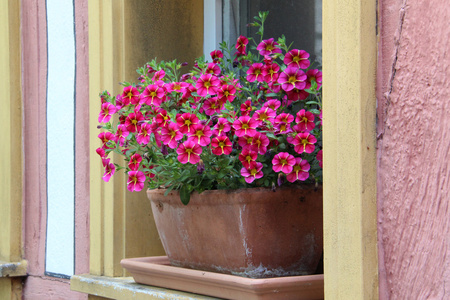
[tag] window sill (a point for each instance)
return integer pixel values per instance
(125, 288)
(13, 269)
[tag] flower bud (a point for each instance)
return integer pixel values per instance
(280, 179)
(164, 150)
(200, 167)
(184, 64)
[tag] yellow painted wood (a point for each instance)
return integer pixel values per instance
(11, 288)
(350, 228)
(13, 269)
(11, 149)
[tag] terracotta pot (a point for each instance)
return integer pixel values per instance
(254, 233)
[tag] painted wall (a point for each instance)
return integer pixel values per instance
(413, 92)
(34, 74)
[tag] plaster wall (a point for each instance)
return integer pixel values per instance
(413, 94)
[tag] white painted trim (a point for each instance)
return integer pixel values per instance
(212, 24)
(60, 138)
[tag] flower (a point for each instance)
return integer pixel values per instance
(135, 181)
(189, 152)
(246, 119)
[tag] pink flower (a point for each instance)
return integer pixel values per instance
(189, 152)
(134, 162)
(121, 134)
(253, 172)
(270, 72)
(143, 137)
(222, 126)
(304, 142)
(245, 141)
(130, 94)
(226, 93)
(186, 121)
(284, 118)
(319, 157)
(292, 78)
(272, 104)
(283, 162)
(268, 47)
(100, 151)
(241, 44)
(106, 111)
(221, 145)
(153, 95)
(216, 55)
(178, 87)
(133, 120)
(297, 58)
(207, 84)
(105, 137)
(162, 118)
(247, 156)
(299, 171)
(159, 75)
(135, 181)
(213, 69)
(260, 143)
(110, 168)
(305, 120)
(212, 106)
(296, 94)
(200, 135)
(245, 126)
(170, 135)
(246, 108)
(316, 75)
(255, 72)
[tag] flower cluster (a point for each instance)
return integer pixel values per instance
(244, 119)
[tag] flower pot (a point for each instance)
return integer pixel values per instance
(255, 233)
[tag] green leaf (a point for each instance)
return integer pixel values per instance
(185, 194)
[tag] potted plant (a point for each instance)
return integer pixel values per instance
(230, 149)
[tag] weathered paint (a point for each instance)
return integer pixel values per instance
(350, 229)
(413, 91)
(33, 29)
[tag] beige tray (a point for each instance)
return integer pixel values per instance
(156, 271)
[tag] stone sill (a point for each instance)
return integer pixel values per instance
(124, 288)
(13, 269)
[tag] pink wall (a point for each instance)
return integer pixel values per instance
(413, 92)
(34, 70)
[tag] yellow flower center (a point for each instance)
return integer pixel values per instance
(153, 94)
(221, 144)
(253, 172)
(189, 151)
(296, 58)
(292, 79)
(305, 119)
(129, 95)
(245, 126)
(207, 84)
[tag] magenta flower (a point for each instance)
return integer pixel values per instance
(213, 69)
(106, 112)
(207, 84)
(134, 162)
(255, 72)
(189, 152)
(159, 75)
(153, 95)
(162, 118)
(247, 156)
(222, 126)
(100, 151)
(265, 115)
(245, 141)
(283, 162)
(305, 120)
(260, 143)
(186, 121)
(316, 75)
(170, 135)
(105, 137)
(246, 108)
(201, 134)
(299, 171)
(130, 94)
(253, 172)
(221, 145)
(304, 142)
(295, 94)
(241, 44)
(178, 87)
(268, 47)
(121, 134)
(133, 120)
(292, 78)
(216, 55)
(212, 106)
(226, 93)
(284, 118)
(110, 168)
(245, 126)
(272, 104)
(270, 72)
(319, 157)
(135, 181)
(143, 137)
(297, 58)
